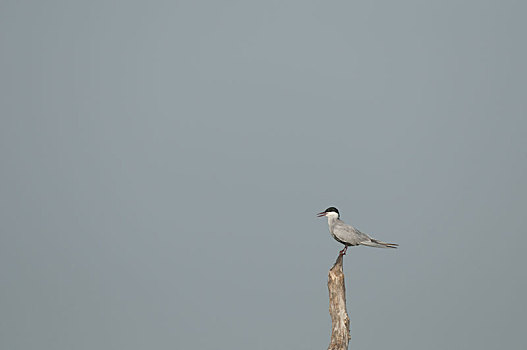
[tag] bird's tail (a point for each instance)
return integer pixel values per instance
(378, 244)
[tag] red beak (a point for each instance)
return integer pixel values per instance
(321, 214)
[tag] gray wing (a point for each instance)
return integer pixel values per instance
(349, 235)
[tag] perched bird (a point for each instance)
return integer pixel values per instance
(349, 235)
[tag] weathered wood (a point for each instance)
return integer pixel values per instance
(340, 321)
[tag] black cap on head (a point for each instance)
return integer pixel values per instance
(332, 209)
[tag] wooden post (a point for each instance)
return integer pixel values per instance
(340, 321)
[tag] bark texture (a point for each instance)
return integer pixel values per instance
(340, 321)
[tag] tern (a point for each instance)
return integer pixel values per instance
(349, 235)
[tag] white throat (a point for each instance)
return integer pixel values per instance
(332, 217)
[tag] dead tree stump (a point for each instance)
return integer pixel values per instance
(340, 321)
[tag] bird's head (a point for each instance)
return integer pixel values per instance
(330, 212)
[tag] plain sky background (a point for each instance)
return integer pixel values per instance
(162, 163)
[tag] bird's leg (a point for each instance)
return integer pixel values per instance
(343, 251)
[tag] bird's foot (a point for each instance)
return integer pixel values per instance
(343, 251)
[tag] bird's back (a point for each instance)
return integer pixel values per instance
(347, 234)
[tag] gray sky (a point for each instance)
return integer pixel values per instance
(163, 161)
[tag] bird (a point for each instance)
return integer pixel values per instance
(349, 235)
